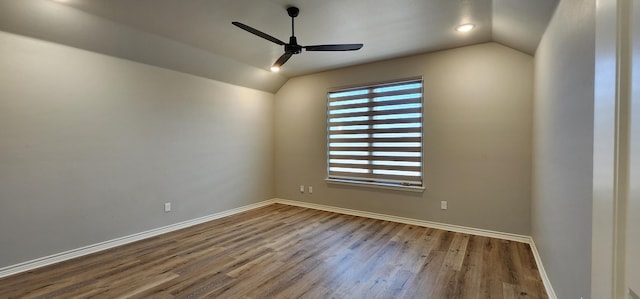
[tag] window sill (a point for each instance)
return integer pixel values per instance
(376, 185)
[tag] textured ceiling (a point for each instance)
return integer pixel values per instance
(196, 36)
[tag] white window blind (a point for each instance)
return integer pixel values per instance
(374, 133)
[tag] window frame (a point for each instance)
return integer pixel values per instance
(373, 182)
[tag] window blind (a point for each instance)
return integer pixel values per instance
(374, 133)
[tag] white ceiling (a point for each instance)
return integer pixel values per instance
(196, 36)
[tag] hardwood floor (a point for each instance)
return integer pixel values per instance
(282, 251)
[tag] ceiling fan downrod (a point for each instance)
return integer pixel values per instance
(293, 12)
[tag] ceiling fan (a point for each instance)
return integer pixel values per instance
(293, 47)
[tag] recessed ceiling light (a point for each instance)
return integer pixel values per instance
(465, 27)
(275, 69)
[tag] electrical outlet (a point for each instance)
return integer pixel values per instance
(310, 189)
(301, 188)
(167, 207)
(443, 205)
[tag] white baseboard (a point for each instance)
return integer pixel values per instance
(424, 223)
(74, 253)
(543, 274)
(443, 226)
(70, 254)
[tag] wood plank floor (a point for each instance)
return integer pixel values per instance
(282, 251)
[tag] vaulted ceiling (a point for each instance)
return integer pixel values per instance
(196, 36)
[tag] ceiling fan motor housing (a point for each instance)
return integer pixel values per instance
(293, 47)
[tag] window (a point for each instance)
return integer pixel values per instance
(374, 134)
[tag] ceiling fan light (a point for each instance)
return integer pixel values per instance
(465, 27)
(275, 69)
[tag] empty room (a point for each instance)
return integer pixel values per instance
(319, 149)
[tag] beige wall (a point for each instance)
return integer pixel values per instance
(477, 129)
(92, 146)
(633, 217)
(563, 147)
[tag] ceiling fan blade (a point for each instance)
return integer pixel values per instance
(259, 33)
(341, 47)
(282, 60)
